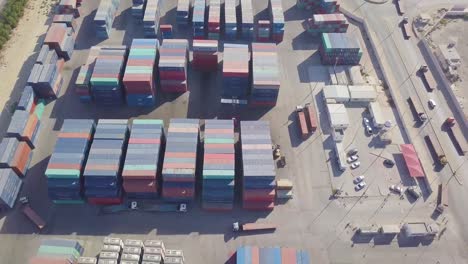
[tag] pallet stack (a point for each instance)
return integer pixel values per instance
(183, 12)
(15, 155)
(198, 19)
(104, 18)
(277, 20)
(205, 55)
(263, 31)
(236, 73)
(277, 255)
(142, 162)
(111, 250)
(107, 75)
(154, 251)
(138, 9)
(131, 251)
(327, 23)
(83, 80)
(339, 49)
(87, 260)
(214, 19)
(218, 165)
(230, 19)
(265, 74)
(10, 185)
(65, 168)
(24, 127)
(151, 18)
(103, 168)
(180, 160)
(319, 6)
(57, 251)
(258, 178)
(173, 65)
(139, 76)
(174, 256)
(46, 75)
(247, 20)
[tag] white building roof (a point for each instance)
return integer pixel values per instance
(339, 92)
(338, 115)
(355, 75)
(362, 92)
(376, 112)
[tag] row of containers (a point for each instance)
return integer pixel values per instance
(151, 18)
(205, 55)
(268, 255)
(247, 20)
(95, 167)
(277, 20)
(319, 6)
(173, 62)
(183, 13)
(214, 19)
(52, 251)
(326, 23)
(138, 8)
(198, 19)
(104, 17)
(339, 49)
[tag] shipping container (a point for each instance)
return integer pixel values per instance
(327, 23)
(58, 251)
(24, 127)
(198, 19)
(265, 75)
(253, 254)
(183, 12)
(104, 17)
(456, 135)
(319, 6)
(214, 19)
(277, 20)
(339, 49)
(205, 55)
(151, 18)
(230, 19)
(263, 31)
(173, 65)
(436, 150)
(10, 185)
(247, 20)
(236, 75)
(179, 166)
(15, 155)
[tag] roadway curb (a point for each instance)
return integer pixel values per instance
(378, 2)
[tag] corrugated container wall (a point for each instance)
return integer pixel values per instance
(265, 74)
(236, 78)
(173, 65)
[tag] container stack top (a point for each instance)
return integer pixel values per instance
(10, 185)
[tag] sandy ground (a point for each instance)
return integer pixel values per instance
(17, 58)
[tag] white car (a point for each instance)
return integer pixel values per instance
(366, 121)
(396, 189)
(432, 104)
(358, 179)
(352, 158)
(355, 165)
(360, 186)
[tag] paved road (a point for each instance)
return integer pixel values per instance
(403, 57)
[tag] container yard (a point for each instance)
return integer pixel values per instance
(145, 139)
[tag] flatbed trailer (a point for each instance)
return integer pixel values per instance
(417, 109)
(237, 227)
(437, 150)
(456, 136)
(427, 78)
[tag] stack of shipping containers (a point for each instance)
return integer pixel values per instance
(151, 18)
(319, 6)
(60, 37)
(139, 73)
(277, 255)
(107, 75)
(258, 178)
(277, 20)
(66, 165)
(236, 76)
(102, 172)
(218, 165)
(24, 127)
(166, 31)
(265, 74)
(10, 185)
(83, 81)
(230, 19)
(142, 162)
(205, 55)
(173, 65)
(214, 19)
(263, 31)
(104, 18)
(327, 23)
(57, 251)
(46, 75)
(16, 155)
(183, 12)
(198, 19)
(27, 101)
(247, 20)
(180, 160)
(138, 9)
(339, 49)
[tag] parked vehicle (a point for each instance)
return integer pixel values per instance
(369, 130)
(302, 122)
(432, 103)
(456, 135)
(366, 121)
(406, 28)
(396, 189)
(442, 198)
(311, 117)
(352, 158)
(358, 179)
(427, 78)
(237, 227)
(436, 150)
(413, 192)
(417, 109)
(355, 165)
(31, 214)
(401, 9)
(352, 152)
(360, 186)
(389, 162)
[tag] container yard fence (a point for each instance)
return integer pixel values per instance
(9, 18)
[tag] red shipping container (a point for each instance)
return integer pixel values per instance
(105, 201)
(139, 186)
(258, 206)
